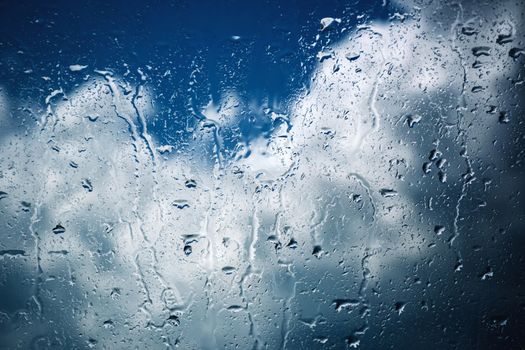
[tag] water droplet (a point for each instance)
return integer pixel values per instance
(442, 176)
(468, 30)
(478, 88)
(292, 244)
(516, 52)
(439, 230)
(399, 307)
(3, 194)
(340, 304)
(481, 51)
(487, 274)
(12, 252)
(26, 206)
(328, 21)
(228, 270)
(426, 167)
(59, 229)
(77, 67)
(413, 120)
(191, 183)
(321, 339)
(351, 56)
(92, 343)
(180, 203)
(317, 251)
(92, 118)
(235, 308)
(187, 249)
(434, 154)
(385, 192)
(73, 164)
(174, 320)
(352, 342)
(503, 118)
(504, 38)
(86, 183)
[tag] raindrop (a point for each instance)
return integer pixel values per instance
(385, 192)
(292, 244)
(77, 67)
(352, 56)
(399, 307)
(504, 38)
(317, 251)
(426, 167)
(481, 51)
(86, 183)
(413, 120)
(187, 249)
(26, 206)
(442, 176)
(191, 183)
(503, 118)
(228, 270)
(180, 204)
(468, 30)
(174, 320)
(439, 230)
(434, 154)
(59, 229)
(328, 21)
(516, 52)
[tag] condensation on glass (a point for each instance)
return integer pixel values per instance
(262, 176)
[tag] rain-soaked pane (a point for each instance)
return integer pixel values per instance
(262, 174)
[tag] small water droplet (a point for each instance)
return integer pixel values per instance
(86, 183)
(317, 251)
(516, 52)
(481, 51)
(59, 229)
(191, 183)
(413, 120)
(352, 342)
(328, 21)
(77, 67)
(26, 206)
(174, 320)
(399, 307)
(503, 118)
(187, 249)
(386, 192)
(292, 244)
(439, 230)
(228, 270)
(504, 38)
(180, 204)
(351, 56)
(434, 154)
(426, 167)
(468, 30)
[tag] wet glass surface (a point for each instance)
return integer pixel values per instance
(262, 175)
